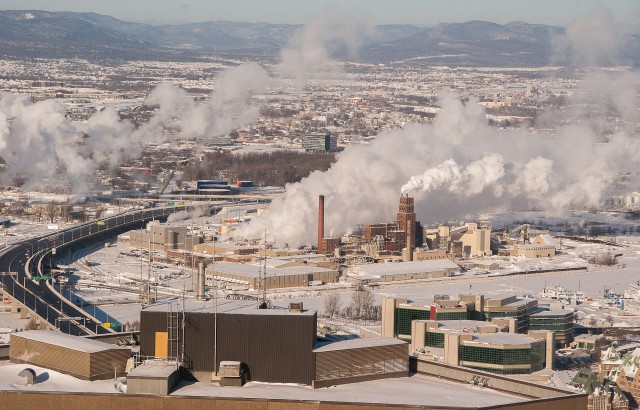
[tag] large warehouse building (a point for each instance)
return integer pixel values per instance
(388, 272)
(274, 345)
(249, 275)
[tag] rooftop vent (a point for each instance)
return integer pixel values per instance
(295, 307)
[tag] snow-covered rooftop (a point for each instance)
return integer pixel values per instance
(393, 268)
(153, 370)
(502, 338)
(224, 306)
(358, 344)
(459, 325)
(251, 270)
(76, 343)
(553, 312)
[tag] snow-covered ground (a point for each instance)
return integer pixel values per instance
(48, 380)
(113, 270)
(113, 281)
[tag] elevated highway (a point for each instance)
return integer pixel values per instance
(18, 263)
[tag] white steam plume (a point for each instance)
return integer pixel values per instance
(469, 181)
(595, 139)
(519, 169)
(308, 52)
(38, 143)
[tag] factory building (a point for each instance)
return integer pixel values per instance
(273, 345)
(400, 237)
(471, 240)
(534, 250)
(424, 255)
(483, 346)
(219, 248)
(468, 240)
(76, 356)
(274, 278)
(160, 238)
(389, 272)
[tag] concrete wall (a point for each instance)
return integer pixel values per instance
(509, 384)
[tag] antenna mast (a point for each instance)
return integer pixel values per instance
(264, 270)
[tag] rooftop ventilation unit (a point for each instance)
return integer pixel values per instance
(295, 307)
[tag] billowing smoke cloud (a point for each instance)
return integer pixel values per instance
(469, 181)
(592, 39)
(40, 145)
(186, 215)
(308, 52)
(458, 164)
(38, 142)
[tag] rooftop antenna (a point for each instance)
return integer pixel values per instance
(262, 276)
(264, 270)
(182, 324)
(215, 311)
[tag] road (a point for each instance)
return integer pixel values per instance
(29, 257)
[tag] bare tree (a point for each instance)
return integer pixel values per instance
(606, 259)
(361, 304)
(332, 304)
(51, 211)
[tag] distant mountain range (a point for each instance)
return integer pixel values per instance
(98, 38)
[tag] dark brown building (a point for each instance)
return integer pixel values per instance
(276, 345)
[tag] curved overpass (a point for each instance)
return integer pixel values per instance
(19, 262)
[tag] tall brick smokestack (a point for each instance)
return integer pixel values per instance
(410, 241)
(407, 223)
(320, 223)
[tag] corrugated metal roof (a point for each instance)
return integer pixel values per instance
(358, 344)
(393, 268)
(251, 270)
(77, 343)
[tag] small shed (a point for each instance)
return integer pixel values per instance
(73, 355)
(153, 378)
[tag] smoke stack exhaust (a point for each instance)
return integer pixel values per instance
(201, 279)
(320, 223)
(410, 241)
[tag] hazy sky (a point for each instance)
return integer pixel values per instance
(427, 12)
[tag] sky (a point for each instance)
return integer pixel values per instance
(422, 12)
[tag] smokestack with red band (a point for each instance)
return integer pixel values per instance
(320, 223)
